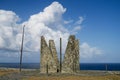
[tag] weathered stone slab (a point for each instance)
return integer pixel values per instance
(49, 60)
(54, 54)
(76, 57)
(46, 57)
(71, 58)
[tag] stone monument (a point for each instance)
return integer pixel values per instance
(49, 62)
(71, 59)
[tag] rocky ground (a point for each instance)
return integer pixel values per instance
(32, 74)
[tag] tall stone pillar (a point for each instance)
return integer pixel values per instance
(47, 61)
(76, 56)
(54, 55)
(71, 58)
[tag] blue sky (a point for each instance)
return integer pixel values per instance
(98, 31)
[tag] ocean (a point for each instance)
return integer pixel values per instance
(83, 66)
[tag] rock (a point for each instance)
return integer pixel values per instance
(71, 58)
(54, 54)
(49, 61)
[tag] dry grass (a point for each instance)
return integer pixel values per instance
(6, 71)
(14, 74)
(108, 77)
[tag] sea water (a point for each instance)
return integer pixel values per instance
(83, 66)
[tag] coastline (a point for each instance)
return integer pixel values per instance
(78, 72)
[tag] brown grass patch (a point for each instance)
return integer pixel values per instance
(108, 77)
(14, 74)
(5, 71)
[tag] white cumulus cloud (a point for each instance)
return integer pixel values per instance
(49, 23)
(8, 18)
(8, 29)
(88, 52)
